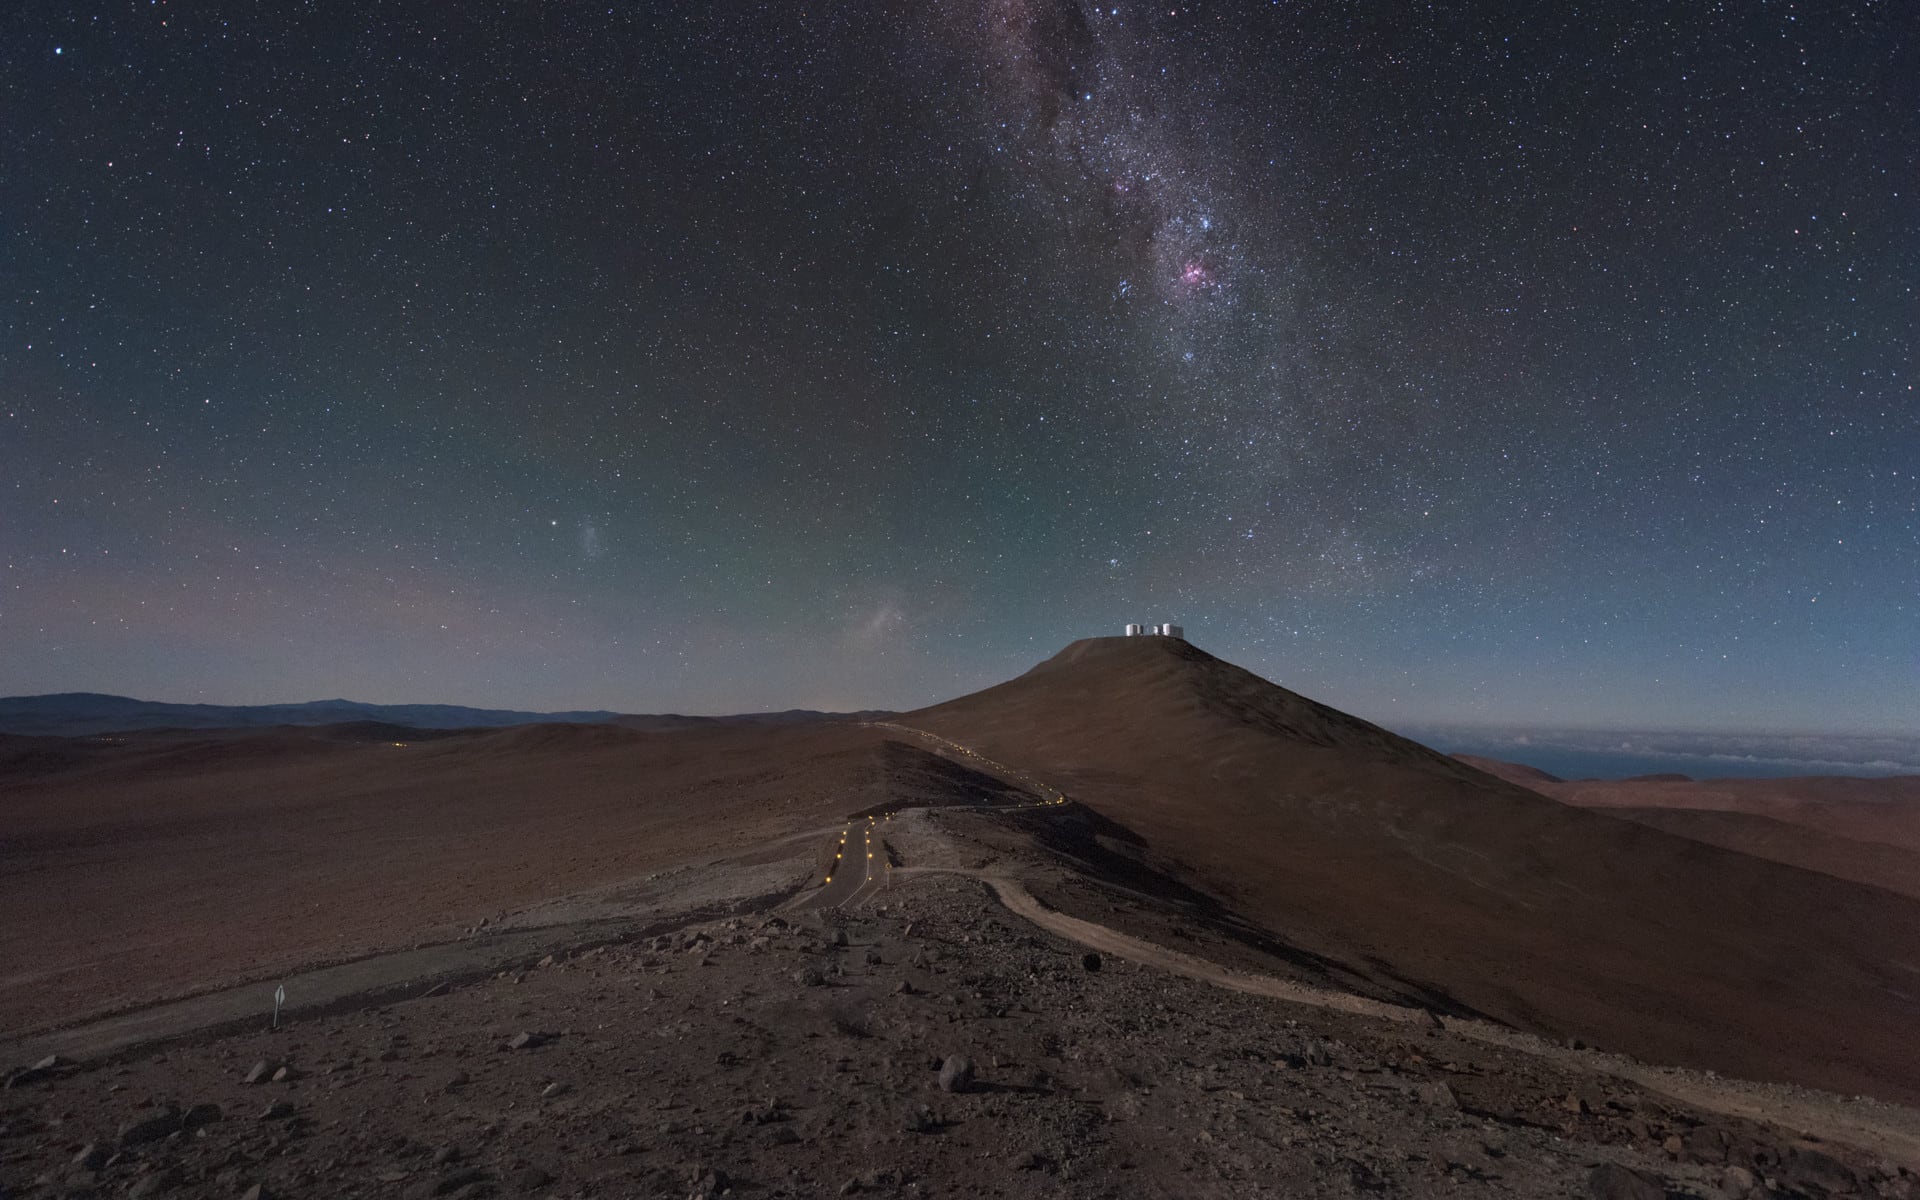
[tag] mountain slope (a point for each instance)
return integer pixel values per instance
(1460, 889)
(1866, 830)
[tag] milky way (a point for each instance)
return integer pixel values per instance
(1481, 364)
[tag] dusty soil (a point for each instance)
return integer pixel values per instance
(760, 1057)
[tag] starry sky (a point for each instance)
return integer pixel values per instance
(1483, 362)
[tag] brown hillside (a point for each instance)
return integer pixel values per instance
(1882, 866)
(138, 868)
(1443, 882)
(1862, 810)
(1813, 823)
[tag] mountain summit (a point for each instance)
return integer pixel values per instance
(1445, 885)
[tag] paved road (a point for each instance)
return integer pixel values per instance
(861, 864)
(860, 867)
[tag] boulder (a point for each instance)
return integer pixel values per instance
(163, 1180)
(199, 1115)
(956, 1073)
(149, 1128)
(461, 1178)
(1611, 1181)
(706, 1182)
(918, 1118)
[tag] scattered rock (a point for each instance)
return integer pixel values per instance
(781, 1135)
(872, 1181)
(163, 1180)
(919, 1119)
(839, 937)
(1611, 1181)
(446, 1154)
(283, 1074)
(956, 1074)
(1032, 1160)
(1437, 1095)
(461, 1178)
(92, 1157)
(199, 1115)
(452, 1081)
(1737, 1182)
(530, 1179)
(438, 989)
(528, 1040)
(279, 1110)
(1821, 1171)
(257, 1192)
(809, 977)
(706, 1182)
(553, 1089)
(1090, 961)
(903, 988)
(258, 1072)
(150, 1128)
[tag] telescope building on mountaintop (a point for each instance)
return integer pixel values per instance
(1172, 631)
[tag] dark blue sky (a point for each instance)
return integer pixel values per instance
(1498, 364)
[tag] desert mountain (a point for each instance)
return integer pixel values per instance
(793, 956)
(75, 714)
(79, 714)
(1445, 885)
(1866, 830)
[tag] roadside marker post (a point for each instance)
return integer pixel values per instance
(279, 998)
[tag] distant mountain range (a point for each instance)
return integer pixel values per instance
(75, 714)
(68, 714)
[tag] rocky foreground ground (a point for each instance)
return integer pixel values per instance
(930, 1044)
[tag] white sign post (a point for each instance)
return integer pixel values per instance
(279, 998)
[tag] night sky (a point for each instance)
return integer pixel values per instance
(1473, 362)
